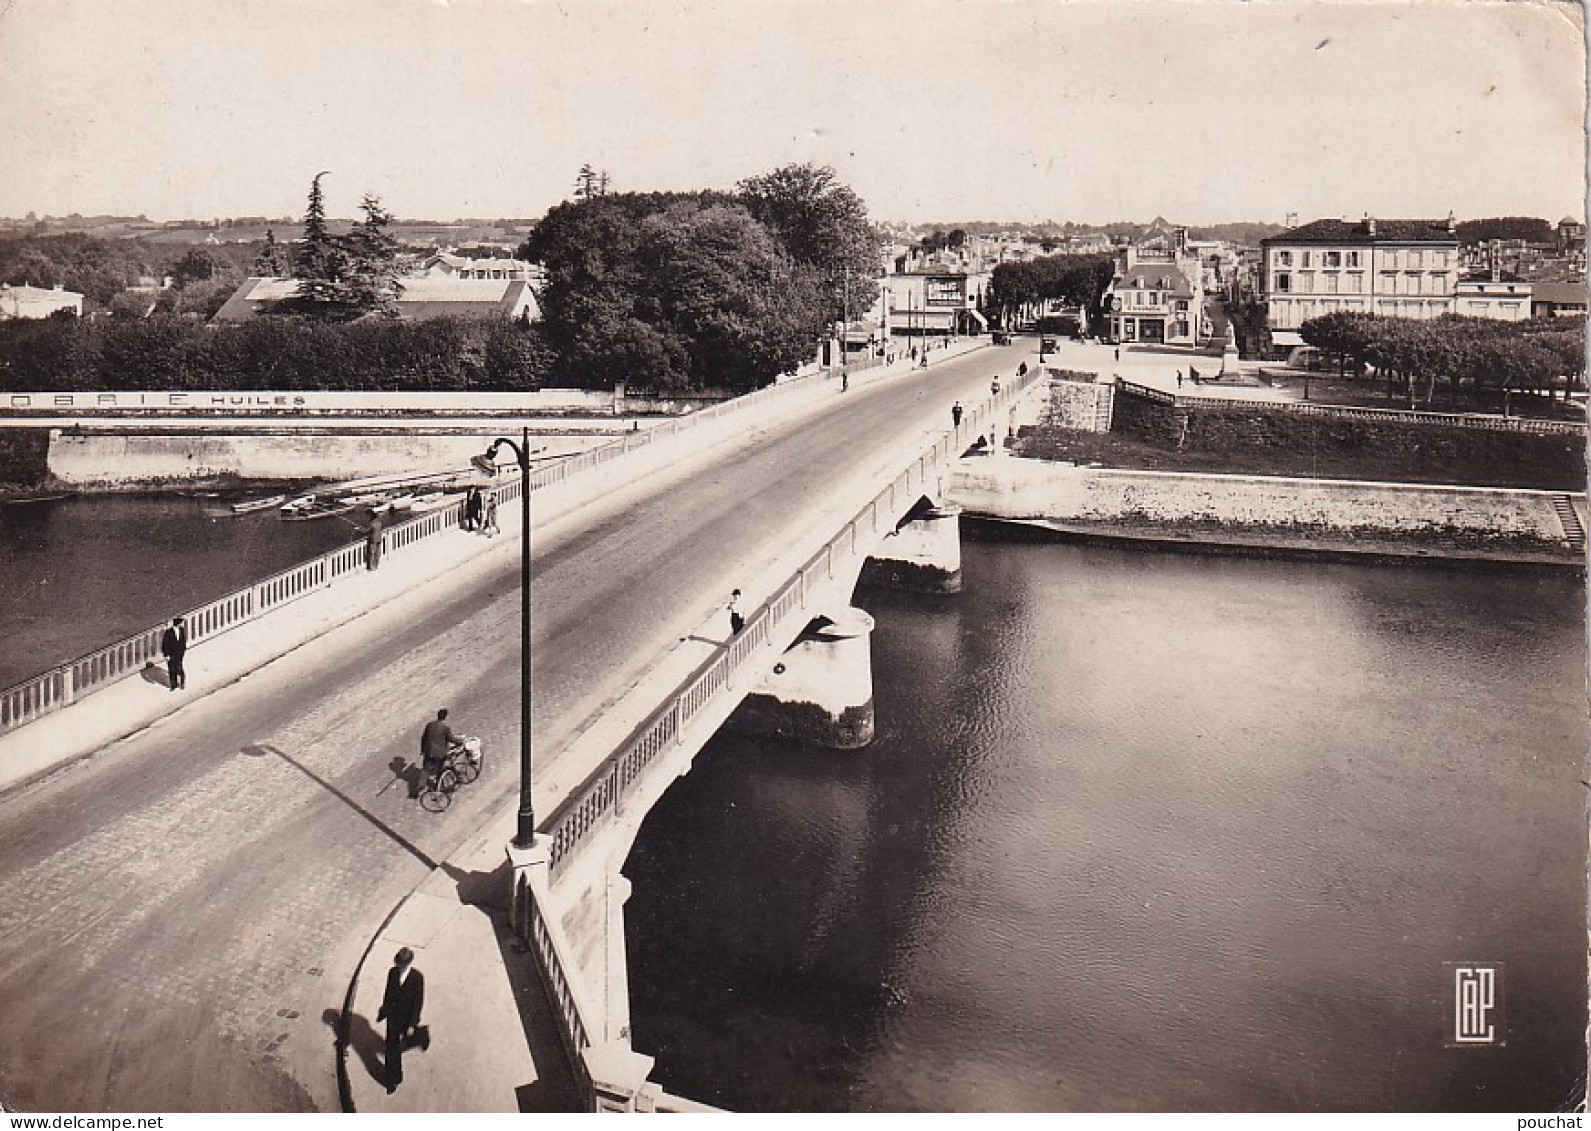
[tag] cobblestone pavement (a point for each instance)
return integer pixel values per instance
(178, 914)
(181, 913)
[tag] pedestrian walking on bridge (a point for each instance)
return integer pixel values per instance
(373, 544)
(955, 415)
(489, 514)
(401, 1005)
(174, 646)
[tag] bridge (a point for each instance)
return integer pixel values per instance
(791, 498)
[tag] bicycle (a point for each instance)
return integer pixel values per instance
(463, 765)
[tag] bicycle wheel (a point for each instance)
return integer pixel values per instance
(437, 797)
(467, 769)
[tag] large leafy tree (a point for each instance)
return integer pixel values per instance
(1343, 334)
(822, 224)
(1077, 279)
(670, 291)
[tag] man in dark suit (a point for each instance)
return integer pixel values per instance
(400, 1009)
(435, 741)
(174, 645)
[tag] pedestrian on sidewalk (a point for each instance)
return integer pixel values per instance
(736, 621)
(1118, 353)
(955, 415)
(489, 514)
(1022, 370)
(400, 1009)
(1179, 378)
(994, 387)
(174, 646)
(373, 543)
(472, 509)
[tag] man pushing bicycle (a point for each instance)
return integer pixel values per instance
(435, 742)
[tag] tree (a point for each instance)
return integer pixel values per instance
(1343, 334)
(319, 264)
(346, 277)
(272, 260)
(822, 224)
(370, 258)
(670, 291)
(721, 287)
(197, 265)
(589, 183)
(1530, 228)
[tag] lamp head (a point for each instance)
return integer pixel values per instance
(485, 462)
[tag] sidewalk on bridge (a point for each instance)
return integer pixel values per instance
(494, 1038)
(136, 702)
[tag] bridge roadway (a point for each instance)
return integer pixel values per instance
(180, 914)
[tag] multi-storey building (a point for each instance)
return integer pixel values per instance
(1157, 296)
(1395, 268)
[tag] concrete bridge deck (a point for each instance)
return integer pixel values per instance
(300, 765)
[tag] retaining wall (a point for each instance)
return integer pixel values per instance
(123, 461)
(1192, 424)
(1035, 489)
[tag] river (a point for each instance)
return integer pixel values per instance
(1143, 831)
(79, 573)
(1139, 831)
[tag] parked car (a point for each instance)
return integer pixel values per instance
(1046, 345)
(1001, 338)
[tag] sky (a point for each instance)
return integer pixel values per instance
(1200, 111)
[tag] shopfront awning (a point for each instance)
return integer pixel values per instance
(1286, 338)
(982, 321)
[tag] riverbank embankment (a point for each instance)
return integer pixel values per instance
(104, 458)
(1275, 515)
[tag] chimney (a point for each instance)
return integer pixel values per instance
(1370, 225)
(1452, 224)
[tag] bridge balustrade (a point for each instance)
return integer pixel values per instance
(63, 684)
(602, 792)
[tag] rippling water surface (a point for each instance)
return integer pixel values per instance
(77, 574)
(1142, 832)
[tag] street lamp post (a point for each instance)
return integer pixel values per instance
(525, 832)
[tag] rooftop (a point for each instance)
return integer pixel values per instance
(1360, 231)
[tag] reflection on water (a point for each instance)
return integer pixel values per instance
(1142, 832)
(77, 574)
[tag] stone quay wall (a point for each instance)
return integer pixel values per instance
(1227, 426)
(1016, 488)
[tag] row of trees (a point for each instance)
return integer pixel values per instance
(170, 352)
(1079, 280)
(347, 276)
(679, 291)
(1480, 358)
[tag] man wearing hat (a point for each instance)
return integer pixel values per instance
(400, 1009)
(174, 645)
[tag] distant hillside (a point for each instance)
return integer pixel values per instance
(1246, 233)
